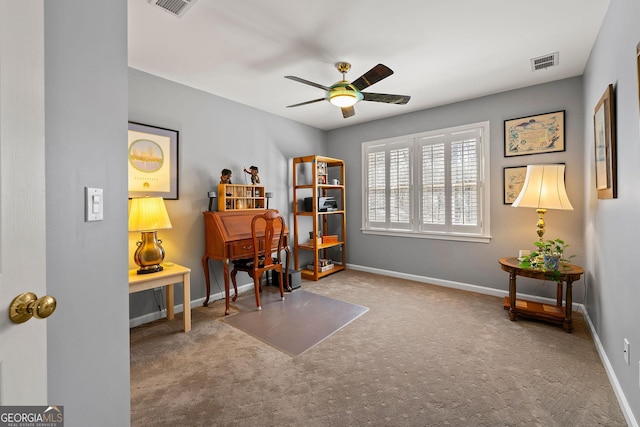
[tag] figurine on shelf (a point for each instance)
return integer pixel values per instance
(225, 177)
(253, 171)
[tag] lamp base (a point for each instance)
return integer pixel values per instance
(150, 269)
(540, 226)
(149, 254)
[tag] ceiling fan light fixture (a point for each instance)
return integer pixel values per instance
(343, 94)
(346, 100)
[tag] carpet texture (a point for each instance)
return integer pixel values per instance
(295, 325)
(422, 355)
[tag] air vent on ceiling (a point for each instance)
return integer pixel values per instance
(545, 61)
(175, 7)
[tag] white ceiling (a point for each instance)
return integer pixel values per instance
(441, 51)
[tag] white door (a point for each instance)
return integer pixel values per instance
(23, 347)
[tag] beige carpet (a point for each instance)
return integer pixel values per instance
(298, 323)
(421, 356)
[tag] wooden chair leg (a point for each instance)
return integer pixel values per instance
(235, 287)
(281, 285)
(256, 288)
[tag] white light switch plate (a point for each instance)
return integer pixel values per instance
(626, 350)
(94, 204)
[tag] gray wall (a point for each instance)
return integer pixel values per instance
(511, 228)
(611, 226)
(86, 122)
(215, 133)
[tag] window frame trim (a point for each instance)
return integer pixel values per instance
(484, 174)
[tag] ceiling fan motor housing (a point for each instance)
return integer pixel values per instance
(343, 94)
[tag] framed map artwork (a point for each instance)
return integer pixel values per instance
(543, 133)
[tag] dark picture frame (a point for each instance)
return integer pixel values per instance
(605, 145)
(542, 133)
(638, 62)
(153, 161)
(513, 179)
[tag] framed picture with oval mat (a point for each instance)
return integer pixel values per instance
(153, 161)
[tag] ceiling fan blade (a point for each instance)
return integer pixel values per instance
(307, 82)
(307, 102)
(348, 112)
(372, 76)
(384, 97)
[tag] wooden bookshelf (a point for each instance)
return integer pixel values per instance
(311, 221)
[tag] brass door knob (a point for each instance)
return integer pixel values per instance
(28, 305)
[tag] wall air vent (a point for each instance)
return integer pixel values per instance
(175, 7)
(545, 61)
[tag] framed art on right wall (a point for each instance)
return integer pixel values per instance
(605, 146)
(638, 61)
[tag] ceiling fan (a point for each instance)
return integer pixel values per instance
(345, 94)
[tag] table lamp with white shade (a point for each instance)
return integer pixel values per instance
(543, 189)
(148, 215)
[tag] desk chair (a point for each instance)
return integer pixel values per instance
(265, 257)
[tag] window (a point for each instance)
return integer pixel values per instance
(431, 184)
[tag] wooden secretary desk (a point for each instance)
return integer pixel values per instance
(228, 237)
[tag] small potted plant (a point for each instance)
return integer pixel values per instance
(548, 257)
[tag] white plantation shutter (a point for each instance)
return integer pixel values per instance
(376, 190)
(399, 187)
(387, 193)
(465, 182)
(433, 196)
(448, 168)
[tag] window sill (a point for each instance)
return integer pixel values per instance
(436, 236)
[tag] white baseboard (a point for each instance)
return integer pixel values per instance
(150, 317)
(622, 400)
(456, 285)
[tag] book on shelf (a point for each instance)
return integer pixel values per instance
(321, 269)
